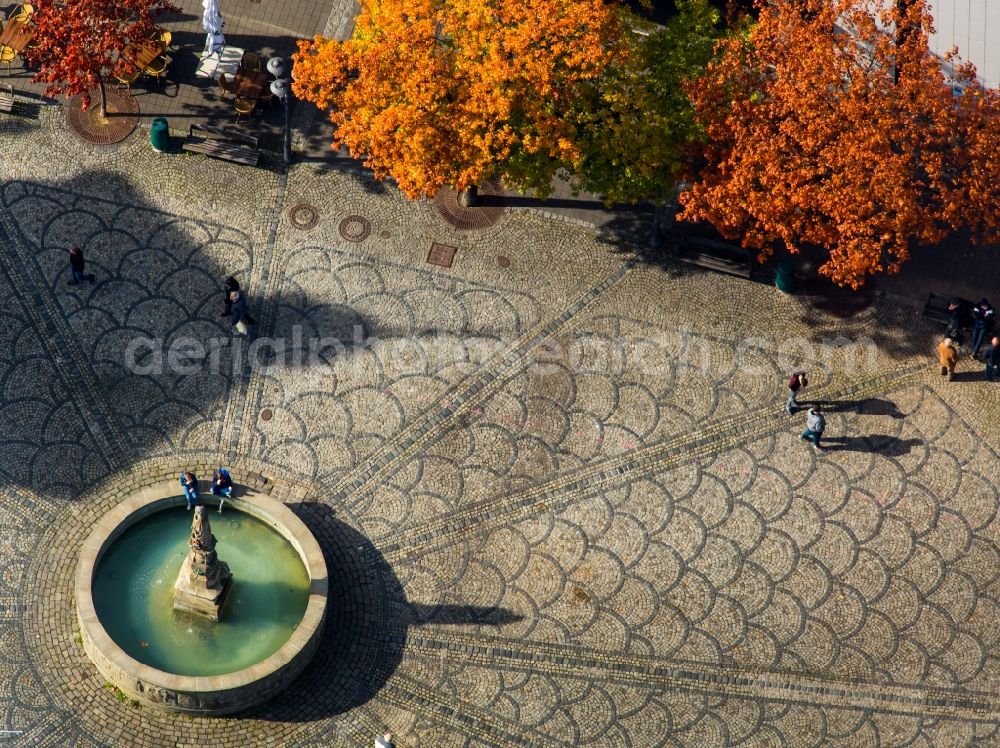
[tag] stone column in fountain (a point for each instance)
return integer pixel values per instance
(204, 581)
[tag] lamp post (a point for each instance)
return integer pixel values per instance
(281, 87)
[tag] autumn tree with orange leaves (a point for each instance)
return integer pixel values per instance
(447, 92)
(830, 124)
(79, 44)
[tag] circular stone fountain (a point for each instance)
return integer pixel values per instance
(159, 645)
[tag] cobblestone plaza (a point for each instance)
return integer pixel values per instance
(559, 495)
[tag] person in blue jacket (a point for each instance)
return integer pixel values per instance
(189, 481)
(222, 483)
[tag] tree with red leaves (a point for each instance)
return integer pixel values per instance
(77, 45)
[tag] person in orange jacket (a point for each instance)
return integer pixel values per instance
(947, 357)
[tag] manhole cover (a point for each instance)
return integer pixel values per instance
(355, 228)
(486, 213)
(303, 216)
(384, 234)
(441, 254)
(503, 261)
(91, 127)
(265, 415)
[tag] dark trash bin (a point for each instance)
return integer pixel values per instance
(159, 135)
(784, 278)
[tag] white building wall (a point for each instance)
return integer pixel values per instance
(974, 27)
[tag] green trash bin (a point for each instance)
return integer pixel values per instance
(784, 278)
(159, 135)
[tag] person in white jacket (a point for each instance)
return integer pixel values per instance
(815, 425)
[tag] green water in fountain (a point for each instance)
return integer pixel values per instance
(133, 592)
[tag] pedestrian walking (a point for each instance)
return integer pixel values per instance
(230, 285)
(815, 426)
(189, 482)
(992, 359)
(76, 267)
(982, 319)
(796, 383)
(238, 312)
(947, 357)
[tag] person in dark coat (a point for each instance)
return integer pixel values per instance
(959, 316)
(229, 286)
(77, 265)
(992, 358)
(238, 312)
(982, 320)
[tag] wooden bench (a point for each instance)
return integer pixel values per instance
(713, 255)
(218, 142)
(936, 309)
(6, 99)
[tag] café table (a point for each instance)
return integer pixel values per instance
(146, 52)
(249, 84)
(16, 36)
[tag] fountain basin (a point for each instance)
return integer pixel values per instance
(199, 693)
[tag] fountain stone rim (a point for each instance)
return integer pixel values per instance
(211, 694)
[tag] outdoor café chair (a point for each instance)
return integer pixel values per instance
(244, 106)
(127, 80)
(165, 38)
(266, 97)
(7, 56)
(22, 12)
(250, 61)
(227, 85)
(157, 68)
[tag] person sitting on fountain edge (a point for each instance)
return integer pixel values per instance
(222, 486)
(222, 483)
(189, 481)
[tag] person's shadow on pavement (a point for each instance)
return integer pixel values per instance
(887, 446)
(871, 406)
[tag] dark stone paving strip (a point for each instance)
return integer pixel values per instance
(472, 391)
(715, 437)
(56, 334)
(467, 720)
(247, 396)
(30, 508)
(57, 730)
(588, 664)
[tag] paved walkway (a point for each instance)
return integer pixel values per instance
(561, 501)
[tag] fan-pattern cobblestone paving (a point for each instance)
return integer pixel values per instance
(561, 500)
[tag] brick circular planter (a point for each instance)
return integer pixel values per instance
(201, 695)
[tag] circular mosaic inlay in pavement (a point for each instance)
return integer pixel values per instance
(303, 216)
(484, 215)
(91, 127)
(355, 228)
(265, 415)
(503, 261)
